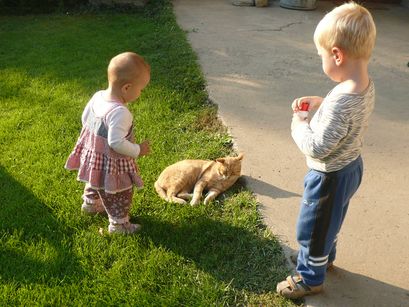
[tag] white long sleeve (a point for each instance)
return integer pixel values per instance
(119, 122)
(335, 135)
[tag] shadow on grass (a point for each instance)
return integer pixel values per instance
(231, 254)
(35, 247)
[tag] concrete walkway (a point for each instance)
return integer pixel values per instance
(256, 61)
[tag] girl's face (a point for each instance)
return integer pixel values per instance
(134, 89)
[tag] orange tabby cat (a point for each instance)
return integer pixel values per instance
(177, 181)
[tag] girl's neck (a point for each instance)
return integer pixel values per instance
(111, 94)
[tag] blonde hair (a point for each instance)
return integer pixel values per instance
(349, 27)
(126, 67)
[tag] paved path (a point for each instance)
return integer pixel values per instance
(256, 61)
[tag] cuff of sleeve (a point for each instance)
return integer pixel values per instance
(298, 132)
(137, 150)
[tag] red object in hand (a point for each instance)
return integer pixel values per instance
(304, 106)
(303, 111)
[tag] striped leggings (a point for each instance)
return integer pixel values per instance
(116, 205)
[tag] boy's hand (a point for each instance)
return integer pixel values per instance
(297, 120)
(145, 148)
(313, 101)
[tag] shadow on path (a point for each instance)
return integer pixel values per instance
(355, 286)
(263, 188)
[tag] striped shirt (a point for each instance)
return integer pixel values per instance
(334, 137)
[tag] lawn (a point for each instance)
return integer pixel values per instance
(50, 254)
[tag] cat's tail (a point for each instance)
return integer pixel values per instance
(161, 192)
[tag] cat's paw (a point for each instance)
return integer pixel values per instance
(177, 200)
(194, 202)
(211, 196)
(185, 196)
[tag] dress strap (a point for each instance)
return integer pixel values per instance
(114, 107)
(98, 97)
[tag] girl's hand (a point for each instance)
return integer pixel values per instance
(145, 148)
(313, 101)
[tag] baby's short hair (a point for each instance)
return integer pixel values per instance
(350, 27)
(126, 67)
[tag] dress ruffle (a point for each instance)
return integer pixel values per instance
(102, 167)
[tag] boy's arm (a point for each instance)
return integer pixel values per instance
(320, 142)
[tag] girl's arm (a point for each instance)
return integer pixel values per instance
(119, 122)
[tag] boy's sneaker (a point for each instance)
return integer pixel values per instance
(294, 287)
(92, 209)
(126, 228)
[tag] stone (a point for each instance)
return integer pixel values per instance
(261, 3)
(243, 2)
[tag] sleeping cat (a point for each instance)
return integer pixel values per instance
(177, 182)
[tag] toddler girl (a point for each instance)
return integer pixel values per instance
(105, 151)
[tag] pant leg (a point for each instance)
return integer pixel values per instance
(91, 196)
(349, 190)
(333, 252)
(117, 205)
(322, 211)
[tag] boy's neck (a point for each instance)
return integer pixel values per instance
(354, 77)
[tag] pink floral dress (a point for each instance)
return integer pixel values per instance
(98, 164)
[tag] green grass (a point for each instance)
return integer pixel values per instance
(50, 254)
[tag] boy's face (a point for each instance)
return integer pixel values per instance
(328, 62)
(132, 91)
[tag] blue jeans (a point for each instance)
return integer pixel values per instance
(322, 211)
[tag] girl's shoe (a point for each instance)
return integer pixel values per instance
(126, 228)
(92, 209)
(294, 287)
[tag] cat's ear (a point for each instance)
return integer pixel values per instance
(240, 156)
(221, 160)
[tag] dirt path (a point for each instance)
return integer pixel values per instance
(256, 61)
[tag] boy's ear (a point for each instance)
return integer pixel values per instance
(338, 55)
